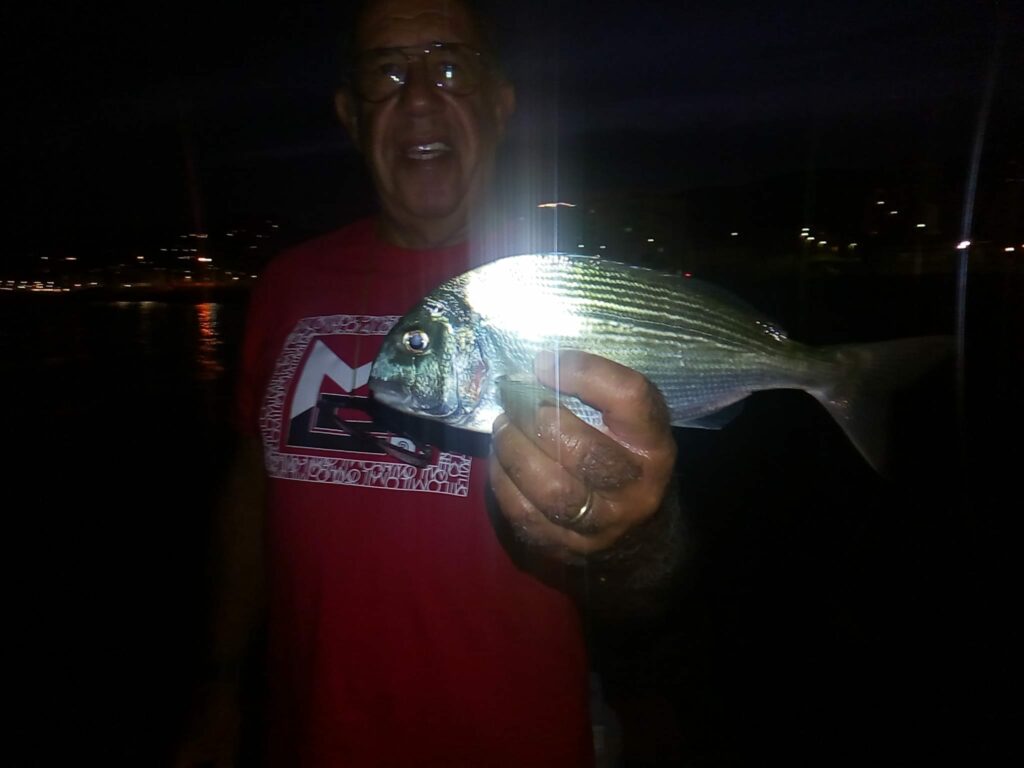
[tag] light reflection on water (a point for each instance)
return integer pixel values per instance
(190, 334)
(119, 346)
(209, 349)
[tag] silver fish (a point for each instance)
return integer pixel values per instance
(451, 357)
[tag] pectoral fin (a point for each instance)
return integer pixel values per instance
(520, 396)
(524, 394)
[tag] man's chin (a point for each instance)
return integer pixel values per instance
(434, 201)
(430, 223)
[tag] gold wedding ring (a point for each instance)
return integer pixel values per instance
(583, 513)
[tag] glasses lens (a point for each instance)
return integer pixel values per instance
(379, 73)
(455, 68)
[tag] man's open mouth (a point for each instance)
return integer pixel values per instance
(427, 151)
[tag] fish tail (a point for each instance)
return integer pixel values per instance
(859, 397)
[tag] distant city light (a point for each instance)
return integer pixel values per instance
(205, 272)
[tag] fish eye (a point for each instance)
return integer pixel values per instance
(417, 342)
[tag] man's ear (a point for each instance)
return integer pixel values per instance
(348, 113)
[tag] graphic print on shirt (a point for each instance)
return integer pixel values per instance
(321, 376)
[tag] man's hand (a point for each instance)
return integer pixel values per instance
(573, 489)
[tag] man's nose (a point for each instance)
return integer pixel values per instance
(420, 92)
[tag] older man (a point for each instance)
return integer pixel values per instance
(400, 630)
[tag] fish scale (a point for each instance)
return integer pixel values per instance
(637, 295)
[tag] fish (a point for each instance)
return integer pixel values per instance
(471, 342)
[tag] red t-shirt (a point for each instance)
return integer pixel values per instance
(400, 631)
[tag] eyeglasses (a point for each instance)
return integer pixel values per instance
(379, 73)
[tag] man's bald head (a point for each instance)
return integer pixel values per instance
(478, 12)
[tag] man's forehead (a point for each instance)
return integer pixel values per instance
(392, 23)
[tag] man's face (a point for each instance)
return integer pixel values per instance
(430, 152)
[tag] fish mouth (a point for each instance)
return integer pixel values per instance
(427, 150)
(395, 395)
(390, 393)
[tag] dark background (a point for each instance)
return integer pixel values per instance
(826, 615)
(125, 121)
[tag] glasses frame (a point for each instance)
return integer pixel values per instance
(421, 52)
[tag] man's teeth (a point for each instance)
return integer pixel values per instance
(427, 151)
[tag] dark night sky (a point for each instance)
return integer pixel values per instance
(106, 101)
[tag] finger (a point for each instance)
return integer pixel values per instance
(589, 455)
(631, 406)
(542, 482)
(532, 526)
